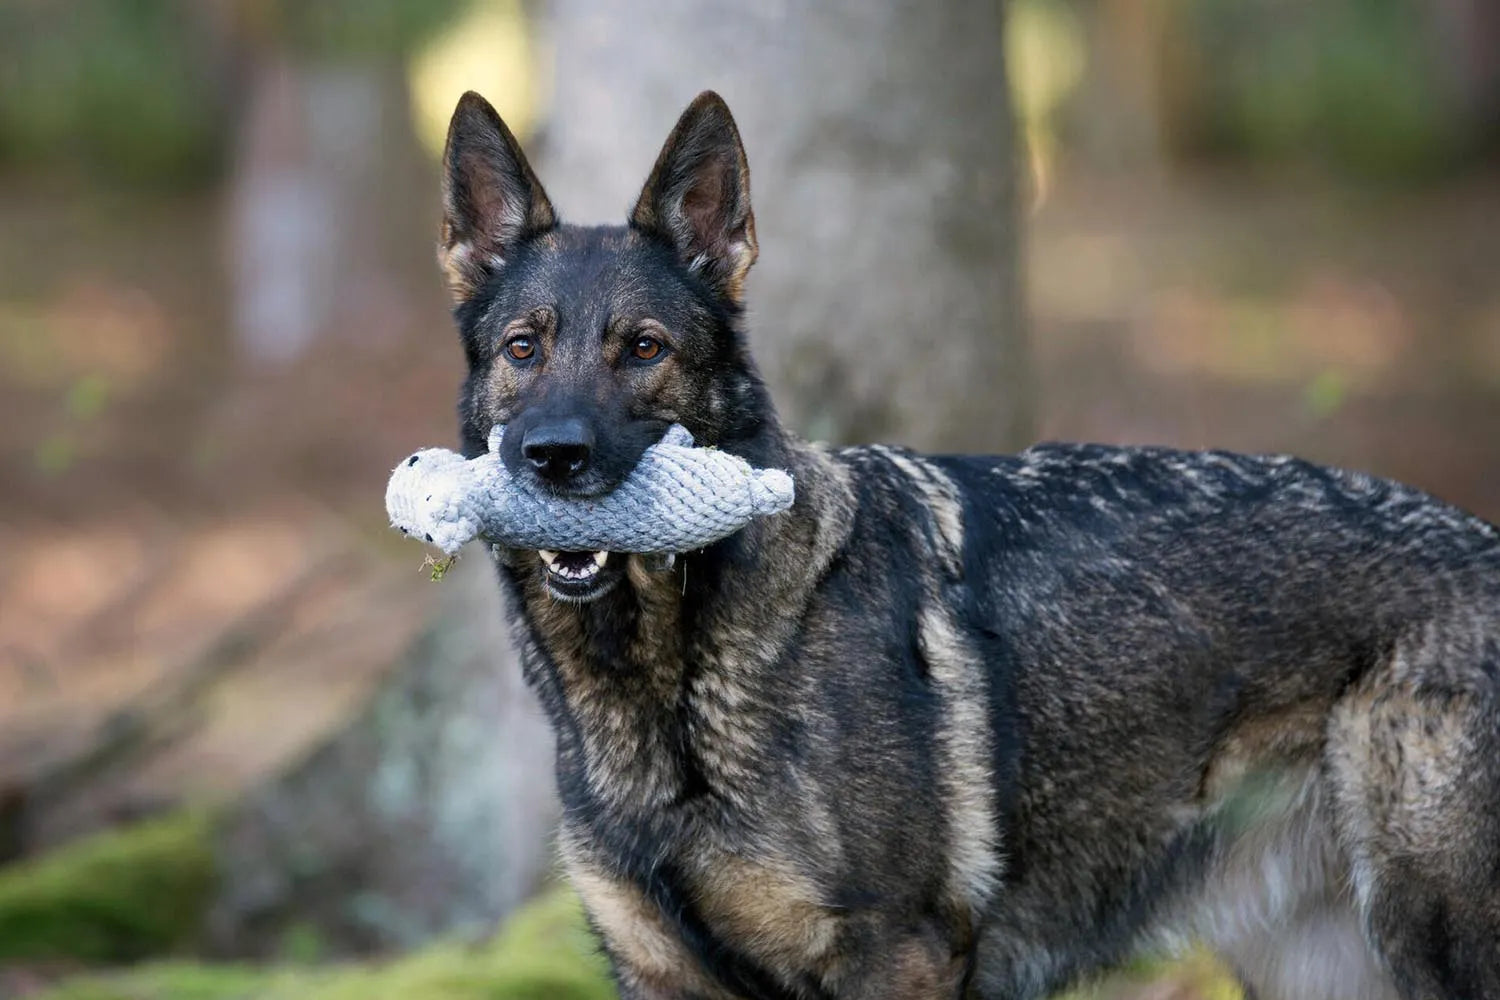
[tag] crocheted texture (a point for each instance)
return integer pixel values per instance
(677, 499)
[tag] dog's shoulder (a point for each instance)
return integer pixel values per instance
(1063, 525)
(1104, 487)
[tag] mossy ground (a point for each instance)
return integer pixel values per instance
(141, 893)
(115, 897)
(544, 953)
(1196, 976)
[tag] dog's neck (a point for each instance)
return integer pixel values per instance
(662, 690)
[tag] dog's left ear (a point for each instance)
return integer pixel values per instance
(492, 201)
(698, 197)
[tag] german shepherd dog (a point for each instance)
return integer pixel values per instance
(962, 726)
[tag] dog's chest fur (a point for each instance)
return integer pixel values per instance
(683, 813)
(658, 700)
(695, 741)
(755, 788)
(665, 751)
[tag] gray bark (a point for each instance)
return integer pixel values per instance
(430, 814)
(886, 304)
(312, 226)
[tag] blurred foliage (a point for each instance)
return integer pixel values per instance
(351, 28)
(1358, 84)
(1196, 976)
(113, 897)
(168, 981)
(488, 48)
(1045, 60)
(1326, 393)
(123, 87)
(143, 91)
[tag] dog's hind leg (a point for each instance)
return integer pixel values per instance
(1319, 954)
(1277, 905)
(1413, 757)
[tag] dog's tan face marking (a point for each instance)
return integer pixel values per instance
(660, 391)
(506, 380)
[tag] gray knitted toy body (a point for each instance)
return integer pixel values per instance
(677, 499)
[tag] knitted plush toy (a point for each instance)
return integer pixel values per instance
(677, 499)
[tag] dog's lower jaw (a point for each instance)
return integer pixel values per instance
(579, 577)
(584, 598)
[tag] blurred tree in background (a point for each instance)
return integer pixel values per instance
(144, 91)
(1387, 89)
(127, 91)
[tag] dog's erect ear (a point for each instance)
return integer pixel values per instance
(492, 200)
(698, 196)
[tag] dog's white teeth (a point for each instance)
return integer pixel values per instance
(549, 557)
(600, 558)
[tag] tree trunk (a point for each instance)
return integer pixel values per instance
(886, 305)
(430, 814)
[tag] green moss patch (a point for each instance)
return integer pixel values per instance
(185, 981)
(544, 953)
(1195, 976)
(113, 897)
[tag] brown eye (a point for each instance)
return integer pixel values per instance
(520, 348)
(647, 348)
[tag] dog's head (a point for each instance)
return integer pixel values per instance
(589, 342)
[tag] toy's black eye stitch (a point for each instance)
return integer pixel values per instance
(520, 347)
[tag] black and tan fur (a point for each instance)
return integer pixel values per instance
(968, 726)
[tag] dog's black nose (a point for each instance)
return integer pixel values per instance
(558, 449)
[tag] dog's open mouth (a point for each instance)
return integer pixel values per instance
(578, 576)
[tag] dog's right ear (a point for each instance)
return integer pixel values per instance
(492, 200)
(698, 197)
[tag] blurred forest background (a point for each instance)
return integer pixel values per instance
(248, 750)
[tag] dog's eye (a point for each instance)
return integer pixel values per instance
(647, 348)
(520, 348)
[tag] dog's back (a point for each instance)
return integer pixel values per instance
(1256, 702)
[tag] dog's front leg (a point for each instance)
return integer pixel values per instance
(639, 984)
(649, 959)
(650, 963)
(918, 964)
